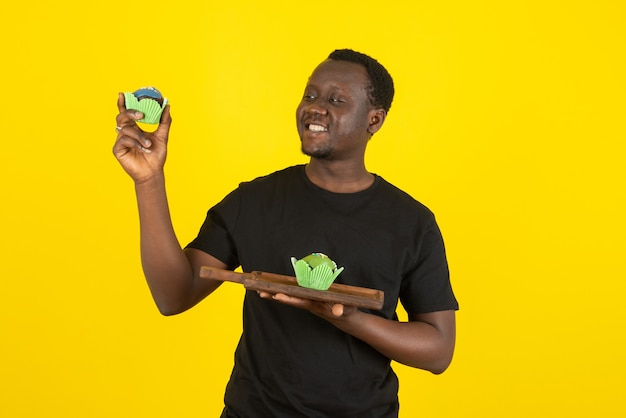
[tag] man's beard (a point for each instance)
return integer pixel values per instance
(324, 153)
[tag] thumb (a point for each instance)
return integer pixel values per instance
(337, 309)
(165, 123)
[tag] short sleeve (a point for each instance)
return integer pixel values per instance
(426, 285)
(215, 235)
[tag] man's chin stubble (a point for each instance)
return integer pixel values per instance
(320, 154)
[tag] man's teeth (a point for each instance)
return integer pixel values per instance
(317, 128)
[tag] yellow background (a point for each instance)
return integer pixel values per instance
(508, 123)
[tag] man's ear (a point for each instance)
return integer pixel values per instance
(376, 120)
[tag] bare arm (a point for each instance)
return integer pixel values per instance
(425, 342)
(171, 273)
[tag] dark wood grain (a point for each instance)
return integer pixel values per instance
(361, 297)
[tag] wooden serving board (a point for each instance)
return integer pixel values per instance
(361, 297)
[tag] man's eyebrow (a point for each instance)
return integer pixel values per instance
(332, 86)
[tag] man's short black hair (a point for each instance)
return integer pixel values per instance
(381, 89)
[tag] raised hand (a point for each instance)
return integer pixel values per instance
(142, 154)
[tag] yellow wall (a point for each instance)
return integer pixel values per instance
(508, 123)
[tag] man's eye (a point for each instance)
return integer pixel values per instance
(336, 100)
(309, 97)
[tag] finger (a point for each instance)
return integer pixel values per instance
(126, 116)
(121, 105)
(166, 117)
(165, 123)
(135, 134)
(124, 144)
(121, 119)
(294, 301)
(281, 297)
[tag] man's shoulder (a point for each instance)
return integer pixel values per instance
(401, 198)
(286, 177)
(283, 174)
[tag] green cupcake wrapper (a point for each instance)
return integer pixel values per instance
(151, 109)
(318, 278)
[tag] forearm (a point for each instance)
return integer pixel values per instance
(166, 268)
(416, 343)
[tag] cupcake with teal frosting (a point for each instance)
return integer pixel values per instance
(148, 101)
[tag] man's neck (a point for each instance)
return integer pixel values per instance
(338, 176)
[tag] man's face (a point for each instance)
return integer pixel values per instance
(334, 114)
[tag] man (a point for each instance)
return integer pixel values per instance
(300, 357)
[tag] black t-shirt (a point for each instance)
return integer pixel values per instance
(290, 363)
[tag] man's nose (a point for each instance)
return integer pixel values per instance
(316, 108)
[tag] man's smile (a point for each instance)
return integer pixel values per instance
(316, 128)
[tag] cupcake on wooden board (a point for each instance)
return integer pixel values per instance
(315, 271)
